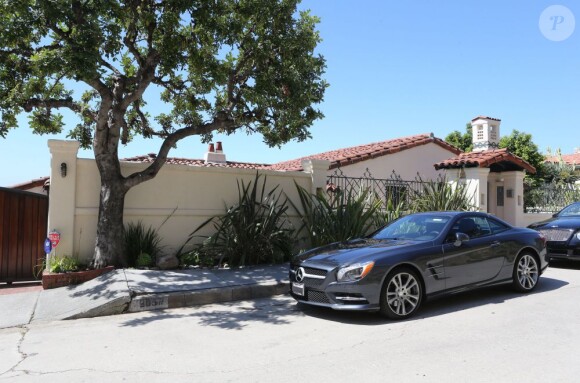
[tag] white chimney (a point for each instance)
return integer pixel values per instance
(485, 133)
(215, 155)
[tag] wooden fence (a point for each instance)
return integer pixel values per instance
(23, 229)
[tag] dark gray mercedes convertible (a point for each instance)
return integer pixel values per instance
(415, 257)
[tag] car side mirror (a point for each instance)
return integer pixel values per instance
(460, 238)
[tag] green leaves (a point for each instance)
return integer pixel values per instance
(521, 144)
(253, 60)
(461, 141)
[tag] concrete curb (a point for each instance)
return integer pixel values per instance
(160, 301)
(127, 291)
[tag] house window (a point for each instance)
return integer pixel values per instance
(500, 194)
(480, 132)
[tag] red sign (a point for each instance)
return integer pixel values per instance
(54, 237)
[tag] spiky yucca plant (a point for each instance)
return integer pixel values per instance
(138, 241)
(440, 195)
(344, 216)
(255, 230)
(390, 210)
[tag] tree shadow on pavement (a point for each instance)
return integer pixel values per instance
(107, 286)
(229, 316)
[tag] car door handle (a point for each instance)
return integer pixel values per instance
(495, 244)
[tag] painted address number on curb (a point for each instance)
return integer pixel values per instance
(145, 303)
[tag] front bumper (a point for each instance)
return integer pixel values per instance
(570, 255)
(563, 251)
(337, 306)
(325, 291)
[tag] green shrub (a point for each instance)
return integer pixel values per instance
(62, 264)
(198, 258)
(253, 231)
(138, 241)
(144, 260)
(344, 216)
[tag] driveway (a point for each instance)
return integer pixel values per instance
(492, 335)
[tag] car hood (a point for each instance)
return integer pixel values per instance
(341, 253)
(557, 222)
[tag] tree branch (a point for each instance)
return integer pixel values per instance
(144, 77)
(51, 103)
(129, 40)
(109, 66)
(220, 122)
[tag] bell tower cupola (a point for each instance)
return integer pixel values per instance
(485, 133)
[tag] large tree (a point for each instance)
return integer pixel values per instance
(463, 141)
(522, 145)
(220, 66)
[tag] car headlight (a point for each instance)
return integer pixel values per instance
(354, 272)
(578, 235)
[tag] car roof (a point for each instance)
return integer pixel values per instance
(463, 213)
(454, 213)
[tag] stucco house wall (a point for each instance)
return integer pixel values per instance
(188, 195)
(406, 163)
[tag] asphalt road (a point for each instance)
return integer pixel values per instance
(491, 335)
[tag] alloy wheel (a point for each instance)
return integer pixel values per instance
(527, 272)
(403, 294)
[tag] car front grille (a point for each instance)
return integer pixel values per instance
(310, 282)
(559, 235)
(309, 273)
(316, 296)
(558, 251)
(317, 272)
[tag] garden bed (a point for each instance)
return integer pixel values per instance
(53, 280)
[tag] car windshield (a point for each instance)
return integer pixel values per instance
(415, 227)
(571, 210)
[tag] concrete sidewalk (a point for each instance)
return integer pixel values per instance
(131, 290)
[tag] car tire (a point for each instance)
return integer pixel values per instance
(401, 294)
(526, 274)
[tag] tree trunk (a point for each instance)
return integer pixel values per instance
(110, 244)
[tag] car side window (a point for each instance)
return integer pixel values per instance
(466, 225)
(497, 227)
(474, 227)
(483, 227)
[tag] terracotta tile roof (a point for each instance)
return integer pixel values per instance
(485, 117)
(570, 159)
(31, 184)
(352, 155)
(195, 162)
(497, 160)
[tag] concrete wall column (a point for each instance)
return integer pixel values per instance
(318, 170)
(476, 181)
(62, 197)
(514, 197)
